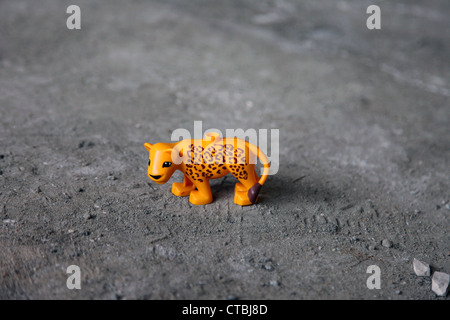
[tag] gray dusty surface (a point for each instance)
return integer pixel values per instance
(364, 148)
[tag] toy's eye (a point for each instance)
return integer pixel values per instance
(167, 164)
(149, 162)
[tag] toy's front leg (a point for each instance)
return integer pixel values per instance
(203, 193)
(183, 189)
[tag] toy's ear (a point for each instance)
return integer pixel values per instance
(148, 146)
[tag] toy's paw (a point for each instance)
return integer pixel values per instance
(241, 198)
(199, 198)
(239, 187)
(179, 189)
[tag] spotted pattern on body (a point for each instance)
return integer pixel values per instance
(215, 160)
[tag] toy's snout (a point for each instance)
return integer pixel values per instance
(157, 178)
(159, 175)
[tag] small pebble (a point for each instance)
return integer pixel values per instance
(274, 283)
(88, 216)
(420, 268)
(386, 243)
(268, 265)
(440, 283)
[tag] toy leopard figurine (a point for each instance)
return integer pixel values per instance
(204, 159)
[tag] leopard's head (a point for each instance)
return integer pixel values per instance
(160, 165)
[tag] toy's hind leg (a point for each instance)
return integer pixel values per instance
(240, 187)
(247, 179)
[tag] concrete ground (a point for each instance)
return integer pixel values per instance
(364, 148)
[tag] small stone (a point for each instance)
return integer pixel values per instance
(386, 243)
(111, 177)
(398, 292)
(440, 283)
(274, 283)
(438, 207)
(372, 247)
(88, 216)
(268, 266)
(421, 269)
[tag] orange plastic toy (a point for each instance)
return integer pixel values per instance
(204, 159)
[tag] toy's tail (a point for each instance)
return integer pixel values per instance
(254, 191)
